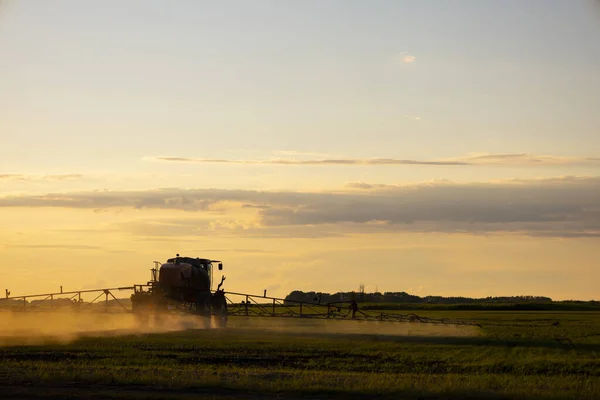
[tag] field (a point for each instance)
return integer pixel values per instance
(514, 355)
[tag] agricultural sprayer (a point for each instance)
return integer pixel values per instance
(184, 285)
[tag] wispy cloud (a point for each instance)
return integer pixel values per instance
(39, 178)
(383, 186)
(228, 250)
(328, 161)
(508, 159)
(294, 153)
(412, 117)
(522, 159)
(56, 246)
(405, 58)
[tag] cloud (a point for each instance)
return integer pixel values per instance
(522, 159)
(558, 234)
(257, 251)
(260, 206)
(294, 153)
(558, 207)
(412, 117)
(178, 199)
(338, 161)
(57, 246)
(39, 178)
(482, 159)
(382, 186)
(360, 185)
(160, 231)
(405, 58)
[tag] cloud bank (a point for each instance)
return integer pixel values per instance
(560, 207)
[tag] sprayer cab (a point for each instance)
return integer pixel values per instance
(188, 272)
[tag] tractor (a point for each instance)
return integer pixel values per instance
(183, 284)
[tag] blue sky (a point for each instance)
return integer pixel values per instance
(91, 94)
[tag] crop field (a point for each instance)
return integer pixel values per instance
(513, 355)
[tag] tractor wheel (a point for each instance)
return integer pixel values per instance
(203, 309)
(221, 316)
(219, 309)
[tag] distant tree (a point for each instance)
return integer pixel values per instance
(361, 290)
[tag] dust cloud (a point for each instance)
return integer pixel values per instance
(33, 328)
(349, 327)
(23, 328)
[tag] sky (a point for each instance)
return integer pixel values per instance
(447, 147)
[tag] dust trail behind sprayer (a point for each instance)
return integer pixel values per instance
(351, 327)
(17, 328)
(32, 328)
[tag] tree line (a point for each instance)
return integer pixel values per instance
(406, 298)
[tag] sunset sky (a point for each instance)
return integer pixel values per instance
(447, 147)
